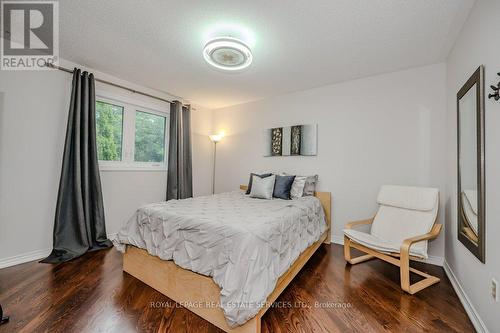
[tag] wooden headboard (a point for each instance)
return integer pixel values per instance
(326, 201)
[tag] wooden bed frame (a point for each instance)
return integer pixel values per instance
(195, 290)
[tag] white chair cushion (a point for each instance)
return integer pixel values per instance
(415, 198)
(394, 225)
(404, 212)
(377, 244)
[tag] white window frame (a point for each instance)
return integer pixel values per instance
(130, 106)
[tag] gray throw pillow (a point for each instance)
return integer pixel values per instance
(283, 186)
(249, 188)
(262, 188)
(310, 186)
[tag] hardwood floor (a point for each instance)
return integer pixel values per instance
(91, 294)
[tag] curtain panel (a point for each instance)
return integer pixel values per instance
(79, 224)
(179, 178)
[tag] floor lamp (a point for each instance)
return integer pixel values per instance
(215, 138)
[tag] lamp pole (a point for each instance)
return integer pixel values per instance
(215, 138)
(213, 170)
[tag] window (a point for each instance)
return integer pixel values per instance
(131, 136)
(109, 131)
(149, 137)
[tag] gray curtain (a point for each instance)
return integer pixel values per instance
(79, 220)
(180, 178)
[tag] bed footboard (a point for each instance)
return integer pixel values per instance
(186, 287)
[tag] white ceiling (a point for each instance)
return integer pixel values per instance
(299, 44)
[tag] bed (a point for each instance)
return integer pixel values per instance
(226, 257)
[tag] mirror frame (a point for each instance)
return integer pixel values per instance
(477, 249)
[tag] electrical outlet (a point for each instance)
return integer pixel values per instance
(494, 290)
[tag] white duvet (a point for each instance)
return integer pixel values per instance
(244, 244)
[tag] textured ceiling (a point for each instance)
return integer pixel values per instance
(298, 44)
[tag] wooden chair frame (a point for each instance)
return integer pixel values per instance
(402, 259)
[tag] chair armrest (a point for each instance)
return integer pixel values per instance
(407, 243)
(351, 225)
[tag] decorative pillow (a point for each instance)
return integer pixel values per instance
(262, 188)
(298, 187)
(264, 175)
(283, 186)
(310, 186)
(302, 190)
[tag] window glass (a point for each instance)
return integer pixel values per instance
(109, 131)
(149, 137)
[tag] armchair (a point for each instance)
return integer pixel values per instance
(399, 232)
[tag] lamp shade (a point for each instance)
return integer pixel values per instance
(216, 137)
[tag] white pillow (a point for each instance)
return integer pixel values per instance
(262, 188)
(302, 185)
(298, 187)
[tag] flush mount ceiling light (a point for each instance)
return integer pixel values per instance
(227, 53)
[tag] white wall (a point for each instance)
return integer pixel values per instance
(386, 129)
(33, 116)
(477, 44)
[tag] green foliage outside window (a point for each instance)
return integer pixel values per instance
(149, 137)
(109, 131)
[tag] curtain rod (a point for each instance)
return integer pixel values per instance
(112, 84)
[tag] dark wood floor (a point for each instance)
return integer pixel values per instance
(91, 294)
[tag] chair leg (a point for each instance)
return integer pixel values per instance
(405, 270)
(347, 249)
(347, 253)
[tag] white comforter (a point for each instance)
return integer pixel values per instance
(244, 244)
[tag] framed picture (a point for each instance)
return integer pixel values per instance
(296, 140)
(277, 141)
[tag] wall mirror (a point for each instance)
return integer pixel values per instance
(471, 200)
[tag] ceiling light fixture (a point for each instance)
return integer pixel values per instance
(227, 53)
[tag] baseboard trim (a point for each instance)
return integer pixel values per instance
(467, 304)
(24, 258)
(432, 260)
(32, 256)
(336, 239)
